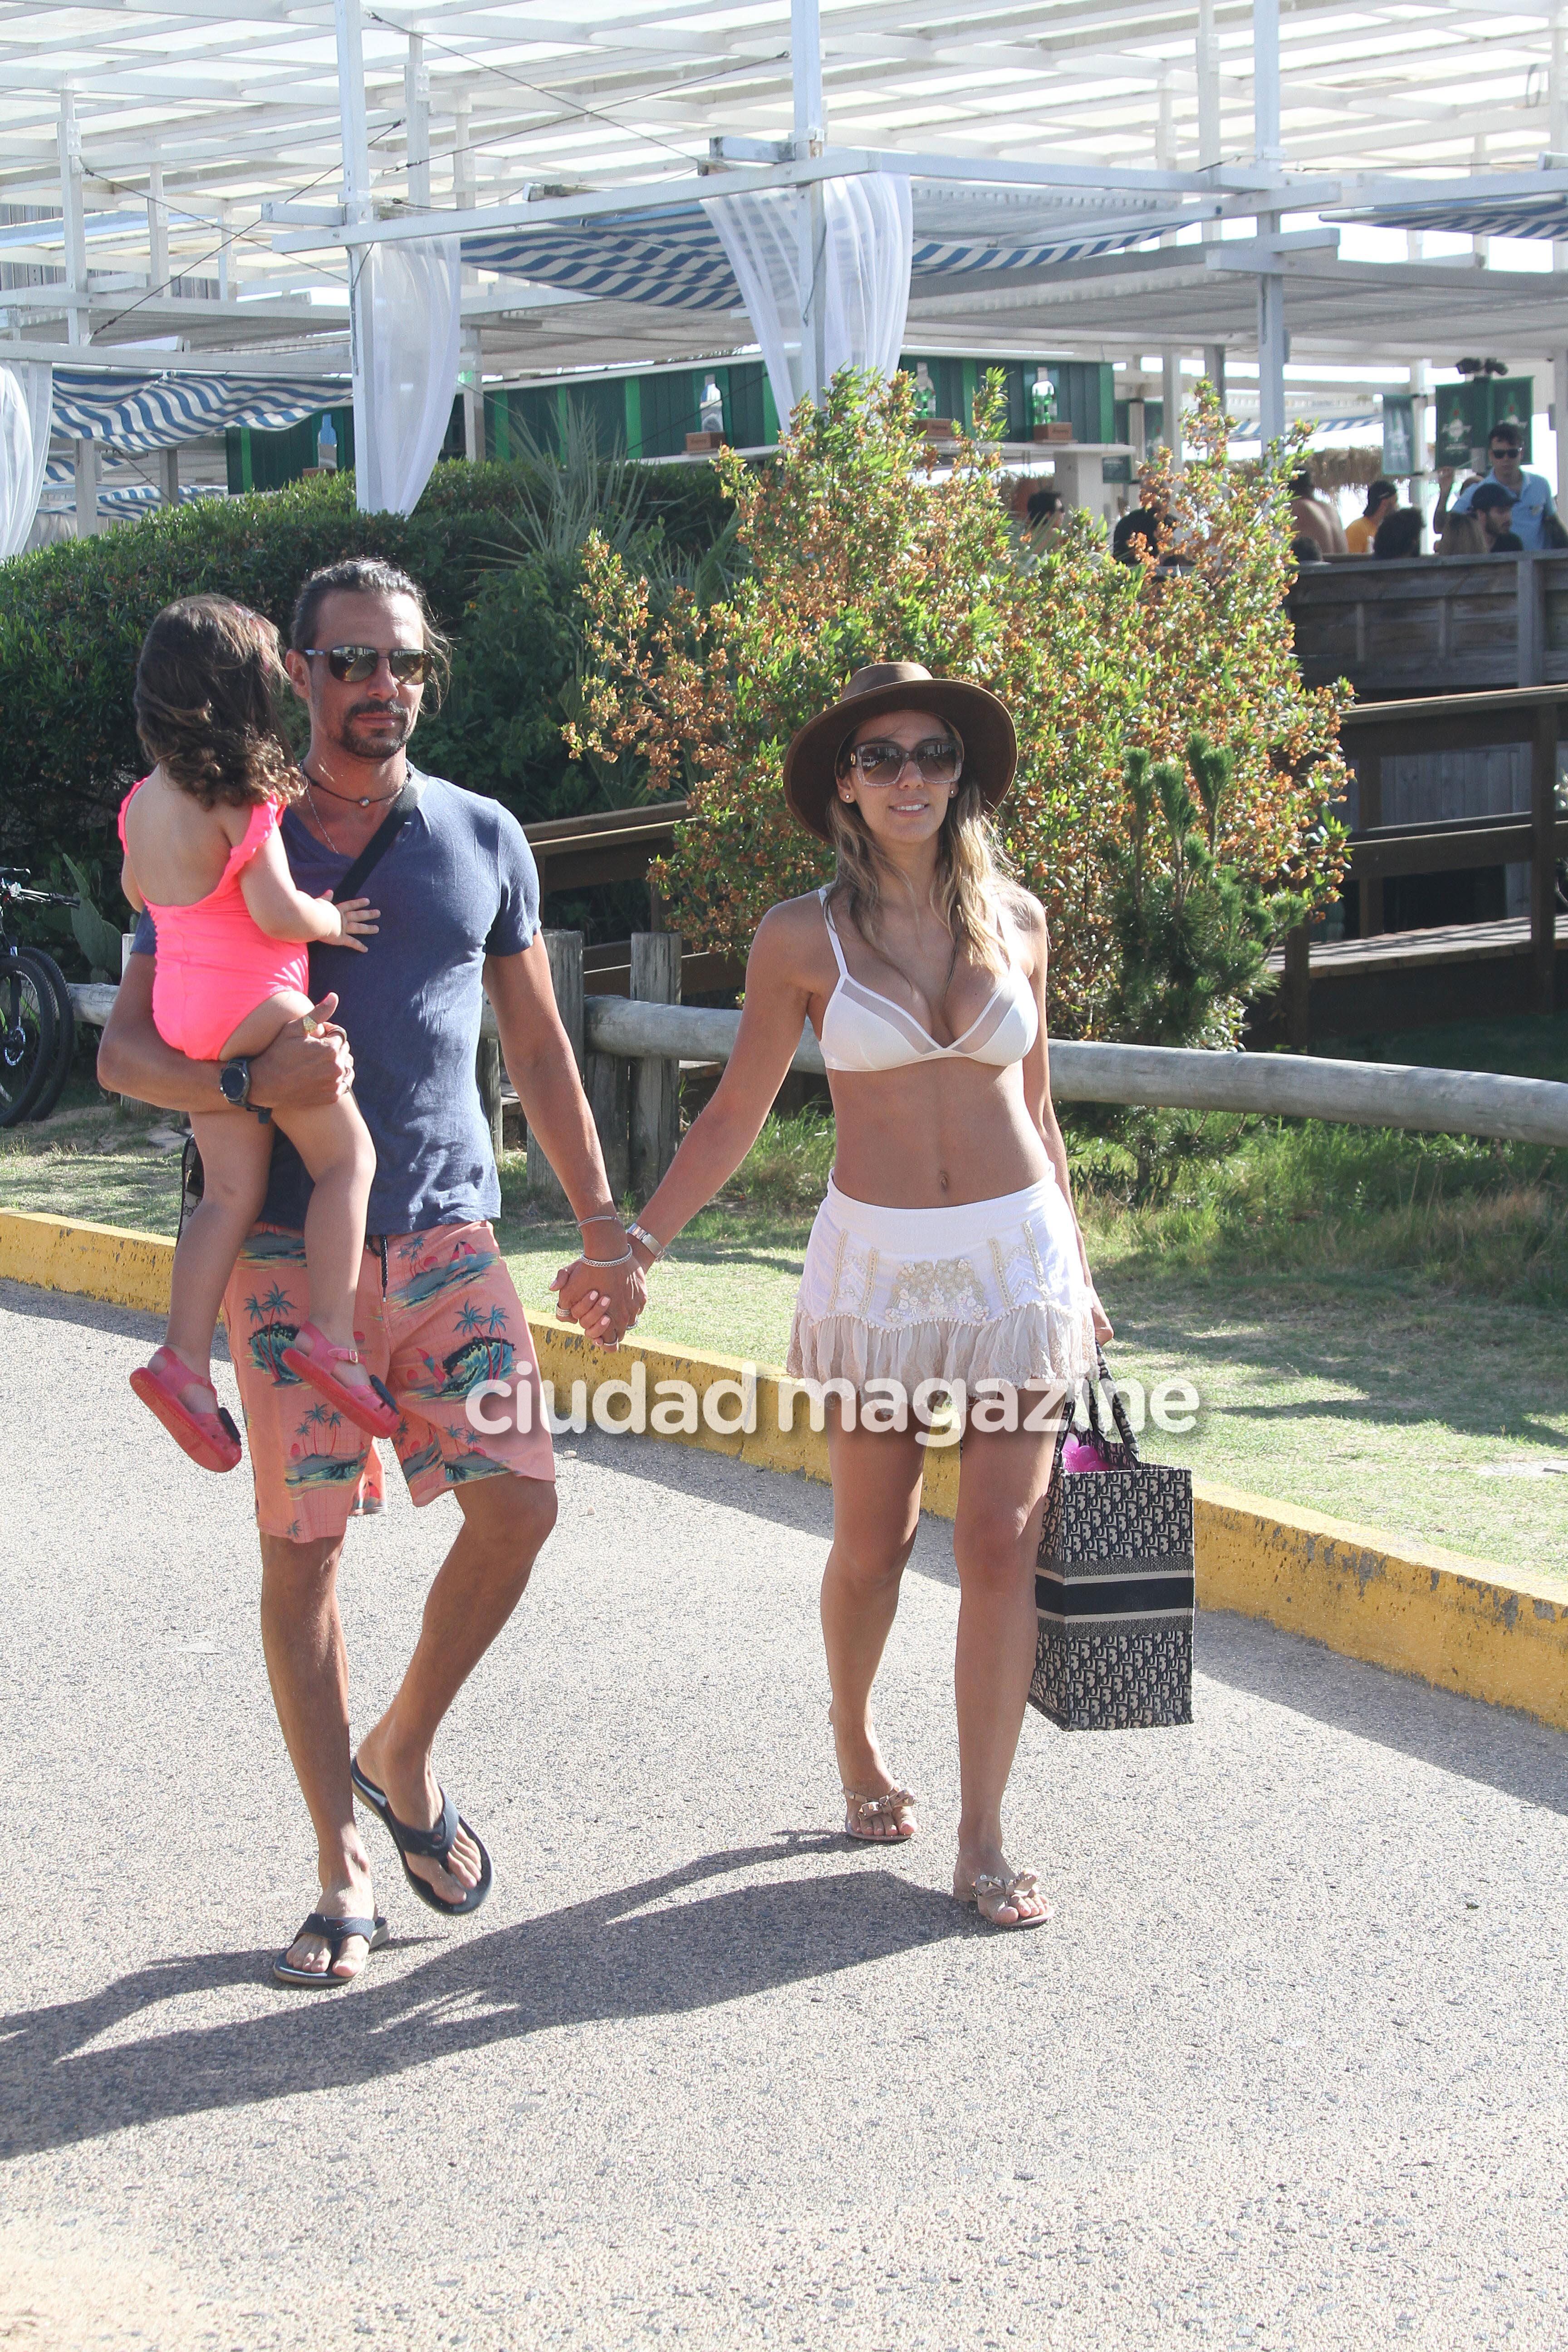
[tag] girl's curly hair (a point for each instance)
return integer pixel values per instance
(210, 685)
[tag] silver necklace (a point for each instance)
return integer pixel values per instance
(320, 819)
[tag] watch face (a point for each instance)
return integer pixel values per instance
(232, 1081)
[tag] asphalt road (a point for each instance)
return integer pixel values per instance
(1287, 2070)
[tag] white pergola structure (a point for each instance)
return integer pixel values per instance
(192, 191)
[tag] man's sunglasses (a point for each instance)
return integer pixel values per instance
(356, 665)
(939, 762)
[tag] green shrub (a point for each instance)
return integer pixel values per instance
(72, 617)
(1193, 927)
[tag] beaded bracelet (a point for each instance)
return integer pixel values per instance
(625, 1259)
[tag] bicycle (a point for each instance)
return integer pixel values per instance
(38, 1019)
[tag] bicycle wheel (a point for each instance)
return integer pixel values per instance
(29, 1026)
(48, 974)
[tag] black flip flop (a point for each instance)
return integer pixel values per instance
(335, 1934)
(436, 1845)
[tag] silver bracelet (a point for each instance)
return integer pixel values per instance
(625, 1259)
(641, 1234)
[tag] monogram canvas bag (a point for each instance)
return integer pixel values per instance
(1113, 1585)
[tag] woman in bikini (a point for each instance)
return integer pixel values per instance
(946, 1255)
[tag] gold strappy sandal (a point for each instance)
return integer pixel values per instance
(860, 1812)
(989, 1892)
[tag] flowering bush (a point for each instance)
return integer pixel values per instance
(856, 552)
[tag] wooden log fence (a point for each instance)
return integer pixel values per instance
(629, 1034)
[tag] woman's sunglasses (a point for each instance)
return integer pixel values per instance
(356, 665)
(939, 762)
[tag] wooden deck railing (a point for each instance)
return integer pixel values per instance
(1375, 730)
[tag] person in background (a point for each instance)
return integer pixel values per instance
(1047, 512)
(1382, 499)
(1313, 517)
(1529, 495)
(1496, 514)
(1462, 535)
(1399, 534)
(1143, 532)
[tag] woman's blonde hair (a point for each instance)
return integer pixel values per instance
(974, 887)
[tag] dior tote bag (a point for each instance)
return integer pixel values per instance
(1113, 1585)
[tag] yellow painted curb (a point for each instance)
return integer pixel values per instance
(1491, 1632)
(1450, 1620)
(128, 1269)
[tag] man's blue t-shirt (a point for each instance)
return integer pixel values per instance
(1532, 505)
(458, 885)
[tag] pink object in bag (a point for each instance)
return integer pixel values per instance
(1083, 1453)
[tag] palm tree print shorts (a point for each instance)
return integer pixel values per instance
(436, 1313)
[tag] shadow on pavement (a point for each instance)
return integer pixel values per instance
(1493, 1745)
(91, 1314)
(612, 1957)
(790, 1501)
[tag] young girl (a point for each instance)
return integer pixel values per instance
(203, 856)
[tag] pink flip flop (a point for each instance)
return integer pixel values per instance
(209, 1438)
(311, 1355)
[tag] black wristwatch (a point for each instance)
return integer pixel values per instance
(233, 1085)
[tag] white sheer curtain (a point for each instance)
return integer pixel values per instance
(26, 399)
(863, 251)
(408, 298)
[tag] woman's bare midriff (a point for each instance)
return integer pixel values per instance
(934, 1136)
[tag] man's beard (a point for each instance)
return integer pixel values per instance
(384, 742)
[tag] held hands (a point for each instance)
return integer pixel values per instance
(605, 1301)
(357, 921)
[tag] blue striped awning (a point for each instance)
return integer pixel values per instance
(138, 411)
(1544, 216)
(672, 257)
(1250, 430)
(60, 475)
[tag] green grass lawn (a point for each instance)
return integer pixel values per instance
(1534, 1046)
(1375, 1322)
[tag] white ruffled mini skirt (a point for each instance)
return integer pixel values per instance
(992, 1290)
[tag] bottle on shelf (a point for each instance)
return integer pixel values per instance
(1042, 398)
(925, 391)
(711, 411)
(327, 447)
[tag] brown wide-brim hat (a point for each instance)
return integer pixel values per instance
(982, 723)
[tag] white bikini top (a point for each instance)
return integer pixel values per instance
(863, 1030)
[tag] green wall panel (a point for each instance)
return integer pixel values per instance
(265, 461)
(1085, 392)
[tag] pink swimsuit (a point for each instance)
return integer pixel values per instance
(216, 964)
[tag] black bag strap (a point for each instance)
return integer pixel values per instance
(192, 1180)
(1118, 1409)
(375, 848)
